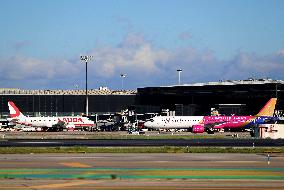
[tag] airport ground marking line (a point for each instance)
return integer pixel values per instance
(110, 176)
(75, 165)
(69, 184)
(155, 187)
(89, 168)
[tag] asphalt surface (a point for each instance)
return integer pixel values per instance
(143, 142)
(142, 171)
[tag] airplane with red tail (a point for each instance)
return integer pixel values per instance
(70, 122)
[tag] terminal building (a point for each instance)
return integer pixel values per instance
(239, 97)
(66, 102)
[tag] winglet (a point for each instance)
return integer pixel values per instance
(268, 109)
(14, 110)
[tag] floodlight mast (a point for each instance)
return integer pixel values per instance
(179, 71)
(122, 76)
(86, 59)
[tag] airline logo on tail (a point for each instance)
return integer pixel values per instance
(268, 109)
(14, 110)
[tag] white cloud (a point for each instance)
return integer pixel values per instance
(21, 68)
(245, 65)
(143, 63)
(134, 54)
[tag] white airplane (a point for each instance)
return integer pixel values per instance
(199, 124)
(173, 122)
(69, 122)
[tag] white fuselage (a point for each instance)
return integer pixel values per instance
(173, 122)
(68, 121)
(71, 121)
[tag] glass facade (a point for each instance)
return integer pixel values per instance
(52, 105)
(198, 100)
(237, 98)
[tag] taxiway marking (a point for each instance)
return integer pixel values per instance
(60, 185)
(75, 164)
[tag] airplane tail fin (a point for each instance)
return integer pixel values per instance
(14, 110)
(268, 109)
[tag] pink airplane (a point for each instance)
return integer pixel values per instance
(199, 124)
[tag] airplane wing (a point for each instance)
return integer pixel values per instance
(13, 120)
(59, 124)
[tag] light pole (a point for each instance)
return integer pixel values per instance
(86, 58)
(74, 99)
(179, 71)
(122, 76)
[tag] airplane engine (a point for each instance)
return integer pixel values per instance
(38, 129)
(197, 129)
(70, 127)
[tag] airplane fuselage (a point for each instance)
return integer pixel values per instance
(173, 122)
(199, 123)
(215, 122)
(51, 121)
(67, 121)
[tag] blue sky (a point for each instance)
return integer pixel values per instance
(41, 41)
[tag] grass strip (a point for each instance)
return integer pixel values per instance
(112, 176)
(162, 136)
(51, 136)
(163, 149)
(143, 173)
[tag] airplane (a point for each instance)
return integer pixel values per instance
(200, 124)
(70, 122)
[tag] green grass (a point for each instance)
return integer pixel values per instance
(162, 136)
(163, 149)
(111, 136)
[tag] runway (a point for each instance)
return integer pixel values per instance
(141, 171)
(142, 142)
